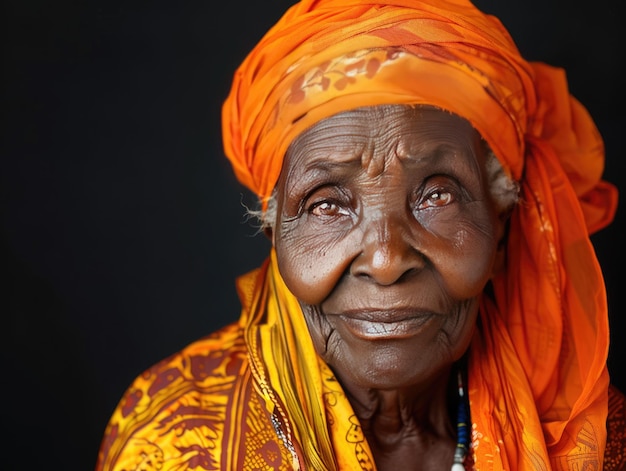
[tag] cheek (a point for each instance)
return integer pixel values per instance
(312, 264)
(468, 267)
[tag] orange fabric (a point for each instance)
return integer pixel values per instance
(537, 375)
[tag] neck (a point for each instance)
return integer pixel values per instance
(417, 414)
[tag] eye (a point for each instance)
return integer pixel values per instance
(438, 192)
(327, 208)
(436, 199)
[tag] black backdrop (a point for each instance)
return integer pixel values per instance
(123, 228)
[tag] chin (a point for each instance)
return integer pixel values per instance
(387, 367)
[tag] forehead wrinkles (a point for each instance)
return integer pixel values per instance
(333, 141)
(388, 133)
(376, 137)
(370, 135)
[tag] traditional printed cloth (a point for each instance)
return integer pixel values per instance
(220, 404)
(537, 378)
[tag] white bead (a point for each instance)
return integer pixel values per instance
(457, 467)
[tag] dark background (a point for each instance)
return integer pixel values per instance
(123, 228)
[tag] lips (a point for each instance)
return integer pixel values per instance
(385, 325)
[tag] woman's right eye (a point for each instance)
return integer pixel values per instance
(327, 208)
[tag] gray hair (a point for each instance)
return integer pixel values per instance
(504, 191)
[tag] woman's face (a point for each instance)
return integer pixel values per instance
(387, 235)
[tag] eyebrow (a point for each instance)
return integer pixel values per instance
(337, 162)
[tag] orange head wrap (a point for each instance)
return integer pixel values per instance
(537, 374)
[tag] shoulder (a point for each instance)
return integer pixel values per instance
(189, 392)
(214, 359)
(615, 453)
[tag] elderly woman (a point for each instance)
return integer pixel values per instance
(432, 299)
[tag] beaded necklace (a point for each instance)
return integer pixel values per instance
(462, 428)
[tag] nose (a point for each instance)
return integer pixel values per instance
(388, 253)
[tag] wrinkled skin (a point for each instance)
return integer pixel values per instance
(387, 234)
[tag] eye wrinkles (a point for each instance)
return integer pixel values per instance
(342, 189)
(342, 166)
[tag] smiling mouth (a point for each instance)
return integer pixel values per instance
(385, 325)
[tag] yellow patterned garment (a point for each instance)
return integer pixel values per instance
(255, 396)
(197, 410)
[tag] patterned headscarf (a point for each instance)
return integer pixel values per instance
(537, 371)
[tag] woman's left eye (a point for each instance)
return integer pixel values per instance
(436, 199)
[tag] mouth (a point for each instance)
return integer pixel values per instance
(386, 325)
